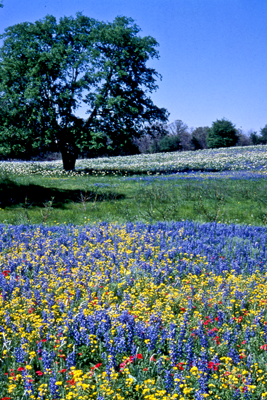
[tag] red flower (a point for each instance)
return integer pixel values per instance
(96, 366)
(213, 330)
(264, 347)
(145, 369)
(39, 373)
(6, 272)
(71, 382)
(44, 340)
(213, 366)
(21, 369)
(139, 356)
(180, 366)
(63, 370)
(217, 339)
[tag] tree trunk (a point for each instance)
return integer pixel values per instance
(69, 157)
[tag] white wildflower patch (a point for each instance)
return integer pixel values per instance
(251, 158)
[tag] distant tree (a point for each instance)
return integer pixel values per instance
(243, 138)
(150, 137)
(49, 69)
(179, 130)
(263, 135)
(1, 4)
(199, 137)
(170, 143)
(254, 138)
(222, 134)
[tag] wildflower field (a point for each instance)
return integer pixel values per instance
(134, 311)
(250, 158)
(164, 301)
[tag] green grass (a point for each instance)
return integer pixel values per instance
(79, 199)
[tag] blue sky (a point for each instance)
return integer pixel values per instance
(213, 53)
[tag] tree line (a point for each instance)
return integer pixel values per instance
(178, 137)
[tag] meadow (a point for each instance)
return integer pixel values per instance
(120, 284)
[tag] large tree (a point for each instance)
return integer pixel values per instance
(222, 134)
(48, 70)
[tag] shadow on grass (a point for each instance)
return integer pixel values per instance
(13, 194)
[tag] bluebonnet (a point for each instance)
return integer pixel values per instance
(202, 336)
(46, 360)
(199, 395)
(20, 354)
(172, 344)
(189, 351)
(237, 394)
(234, 355)
(247, 334)
(70, 360)
(53, 387)
(168, 379)
(27, 384)
(178, 380)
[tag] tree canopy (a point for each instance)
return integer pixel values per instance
(263, 135)
(222, 134)
(50, 69)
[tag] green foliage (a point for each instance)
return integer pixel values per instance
(170, 143)
(20, 142)
(49, 69)
(222, 134)
(199, 137)
(254, 138)
(259, 139)
(263, 135)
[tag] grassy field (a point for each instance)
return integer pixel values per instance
(77, 199)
